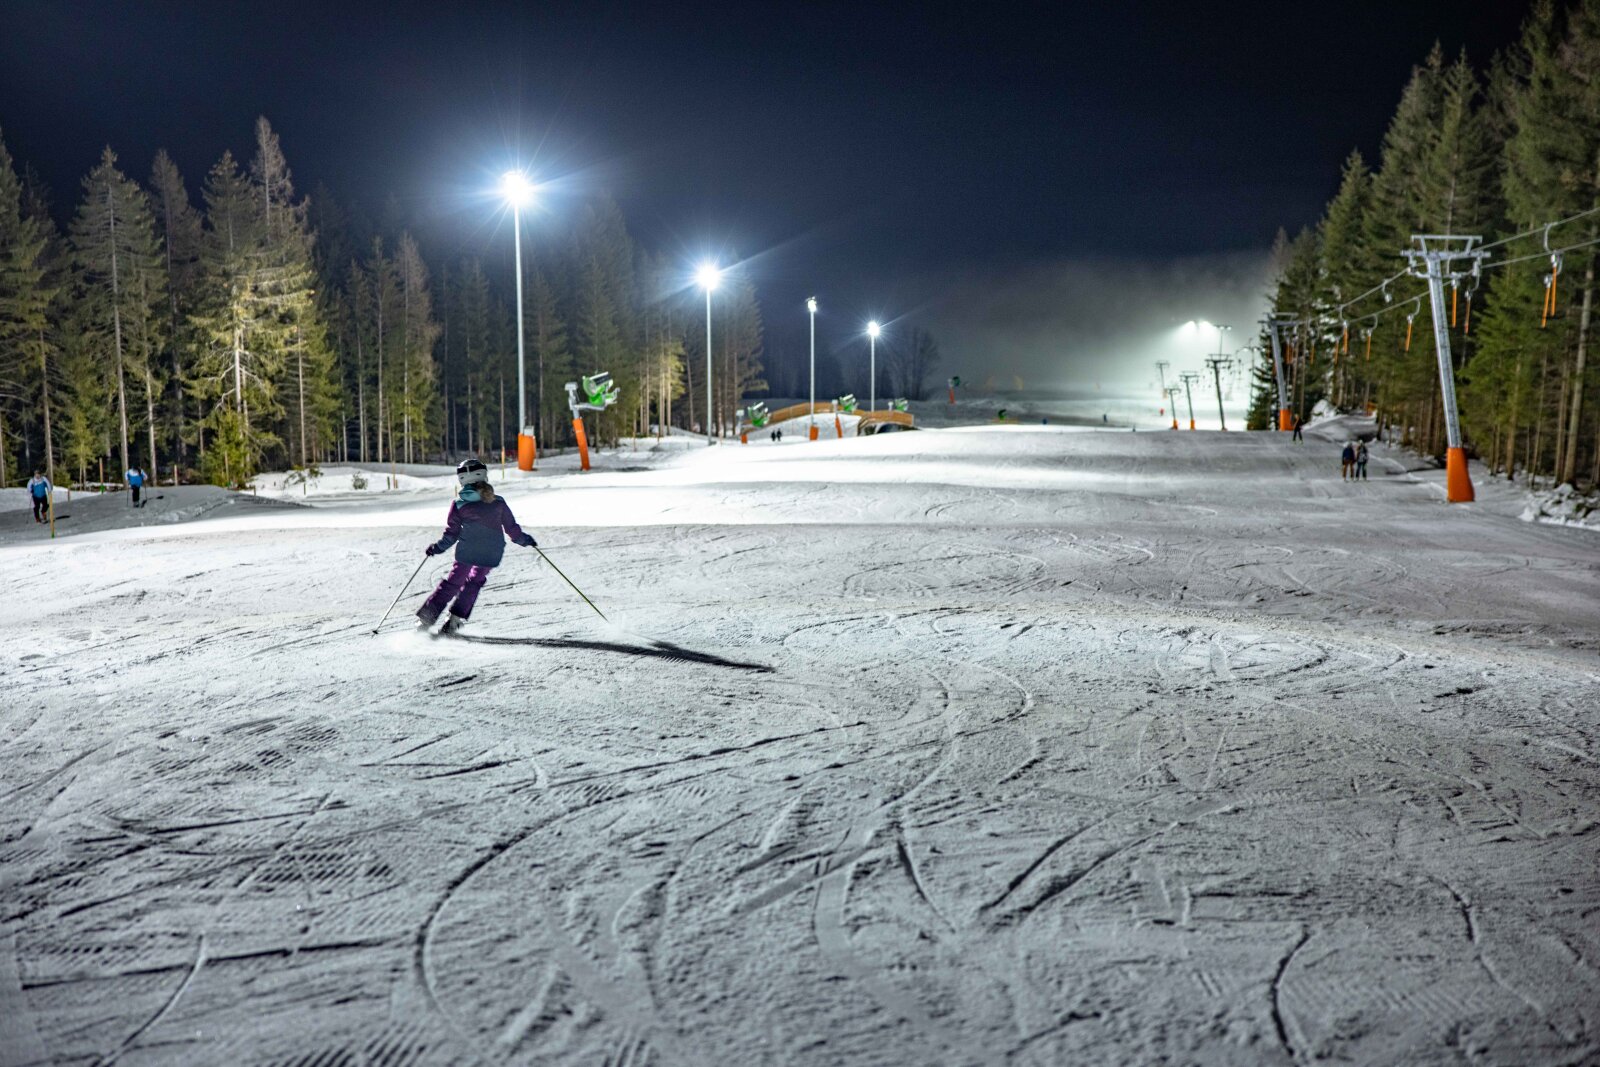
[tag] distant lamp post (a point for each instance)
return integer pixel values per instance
(708, 277)
(811, 308)
(873, 329)
(518, 192)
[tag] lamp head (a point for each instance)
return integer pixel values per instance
(873, 329)
(708, 276)
(516, 188)
(811, 304)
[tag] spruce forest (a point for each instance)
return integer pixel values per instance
(258, 328)
(1509, 153)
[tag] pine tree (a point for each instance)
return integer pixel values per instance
(238, 361)
(178, 228)
(418, 334)
(27, 294)
(114, 248)
(552, 357)
(1342, 231)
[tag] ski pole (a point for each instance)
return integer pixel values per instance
(564, 578)
(400, 594)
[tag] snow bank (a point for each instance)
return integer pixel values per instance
(1563, 506)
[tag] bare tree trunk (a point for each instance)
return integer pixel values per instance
(1570, 469)
(300, 386)
(116, 323)
(150, 416)
(44, 379)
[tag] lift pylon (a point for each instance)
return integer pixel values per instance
(1433, 257)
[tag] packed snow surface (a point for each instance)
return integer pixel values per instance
(983, 746)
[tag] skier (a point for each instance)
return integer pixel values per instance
(1361, 463)
(39, 490)
(1347, 462)
(1297, 436)
(135, 478)
(477, 517)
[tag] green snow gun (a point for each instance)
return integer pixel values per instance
(900, 404)
(600, 391)
(755, 414)
(846, 404)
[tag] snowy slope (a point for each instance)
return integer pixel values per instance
(971, 746)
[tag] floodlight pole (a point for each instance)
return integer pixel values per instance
(1217, 364)
(1188, 378)
(1172, 401)
(1432, 256)
(872, 366)
(710, 440)
(1161, 369)
(1274, 327)
(522, 384)
(811, 308)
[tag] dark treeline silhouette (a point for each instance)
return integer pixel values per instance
(258, 328)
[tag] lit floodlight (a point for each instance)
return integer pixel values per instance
(516, 188)
(1204, 325)
(873, 329)
(811, 304)
(708, 276)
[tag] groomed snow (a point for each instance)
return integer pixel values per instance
(996, 745)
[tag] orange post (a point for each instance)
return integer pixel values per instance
(1457, 483)
(583, 443)
(813, 433)
(952, 394)
(1455, 295)
(838, 427)
(527, 451)
(1285, 420)
(1409, 323)
(744, 437)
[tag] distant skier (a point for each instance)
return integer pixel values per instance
(1347, 462)
(136, 480)
(39, 492)
(1361, 462)
(477, 517)
(1297, 436)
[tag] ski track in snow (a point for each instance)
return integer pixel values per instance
(993, 747)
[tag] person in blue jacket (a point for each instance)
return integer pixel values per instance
(477, 519)
(135, 478)
(39, 491)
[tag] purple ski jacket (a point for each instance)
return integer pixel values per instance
(474, 528)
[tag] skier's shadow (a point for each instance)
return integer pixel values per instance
(655, 650)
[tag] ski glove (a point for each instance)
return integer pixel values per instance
(527, 541)
(432, 550)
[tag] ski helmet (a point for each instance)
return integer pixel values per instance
(472, 472)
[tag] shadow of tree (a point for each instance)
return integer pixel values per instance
(656, 649)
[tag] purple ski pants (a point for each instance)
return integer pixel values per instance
(461, 585)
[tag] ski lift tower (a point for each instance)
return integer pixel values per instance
(1189, 377)
(1433, 258)
(599, 393)
(1275, 327)
(1218, 364)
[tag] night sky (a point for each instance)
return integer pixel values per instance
(1034, 182)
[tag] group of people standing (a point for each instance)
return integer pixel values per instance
(1353, 461)
(40, 491)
